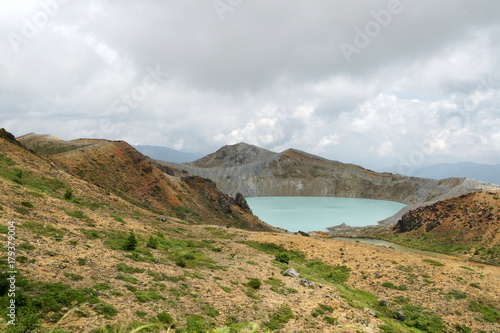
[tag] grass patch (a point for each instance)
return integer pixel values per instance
(390, 285)
(433, 262)
(279, 318)
(76, 213)
(122, 267)
(148, 296)
(73, 276)
(127, 278)
(42, 229)
(489, 312)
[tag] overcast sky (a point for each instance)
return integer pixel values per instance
(378, 83)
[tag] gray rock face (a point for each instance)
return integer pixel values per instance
(253, 171)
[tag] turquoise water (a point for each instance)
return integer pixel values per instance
(319, 213)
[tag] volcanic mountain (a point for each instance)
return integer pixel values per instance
(254, 171)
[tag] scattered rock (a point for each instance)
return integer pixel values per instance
(291, 272)
(306, 283)
(162, 218)
(384, 302)
(400, 315)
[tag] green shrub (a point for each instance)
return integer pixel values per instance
(127, 278)
(118, 218)
(102, 286)
(490, 313)
(131, 243)
(165, 318)
(152, 242)
(68, 195)
(475, 285)
(209, 310)
(254, 284)
(105, 309)
(196, 324)
(457, 294)
(283, 257)
(74, 277)
(148, 296)
(279, 318)
(27, 204)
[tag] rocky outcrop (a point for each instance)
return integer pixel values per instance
(242, 203)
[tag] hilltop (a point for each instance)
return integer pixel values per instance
(94, 236)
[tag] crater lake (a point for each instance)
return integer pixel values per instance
(318, 213)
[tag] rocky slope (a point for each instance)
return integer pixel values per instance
(253, 171)
(469, 224)
(75, 255)
(121, 169)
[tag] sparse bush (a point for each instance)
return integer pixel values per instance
(131, 243)
(457, 294)
(279, 318)
(105, 309)
(283, 257)
(148, 296)
(74, 277)
(69, 194)
(490, 313)
(165, 318)
(330, 320)
(254, 284)
(27, 204)
(152, 242)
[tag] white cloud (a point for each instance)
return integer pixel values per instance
(270, 74)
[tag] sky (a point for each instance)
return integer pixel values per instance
(378, 83)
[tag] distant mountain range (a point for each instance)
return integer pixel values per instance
(486, 172)
(167, 154)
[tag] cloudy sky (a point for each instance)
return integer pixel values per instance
(378, 83)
